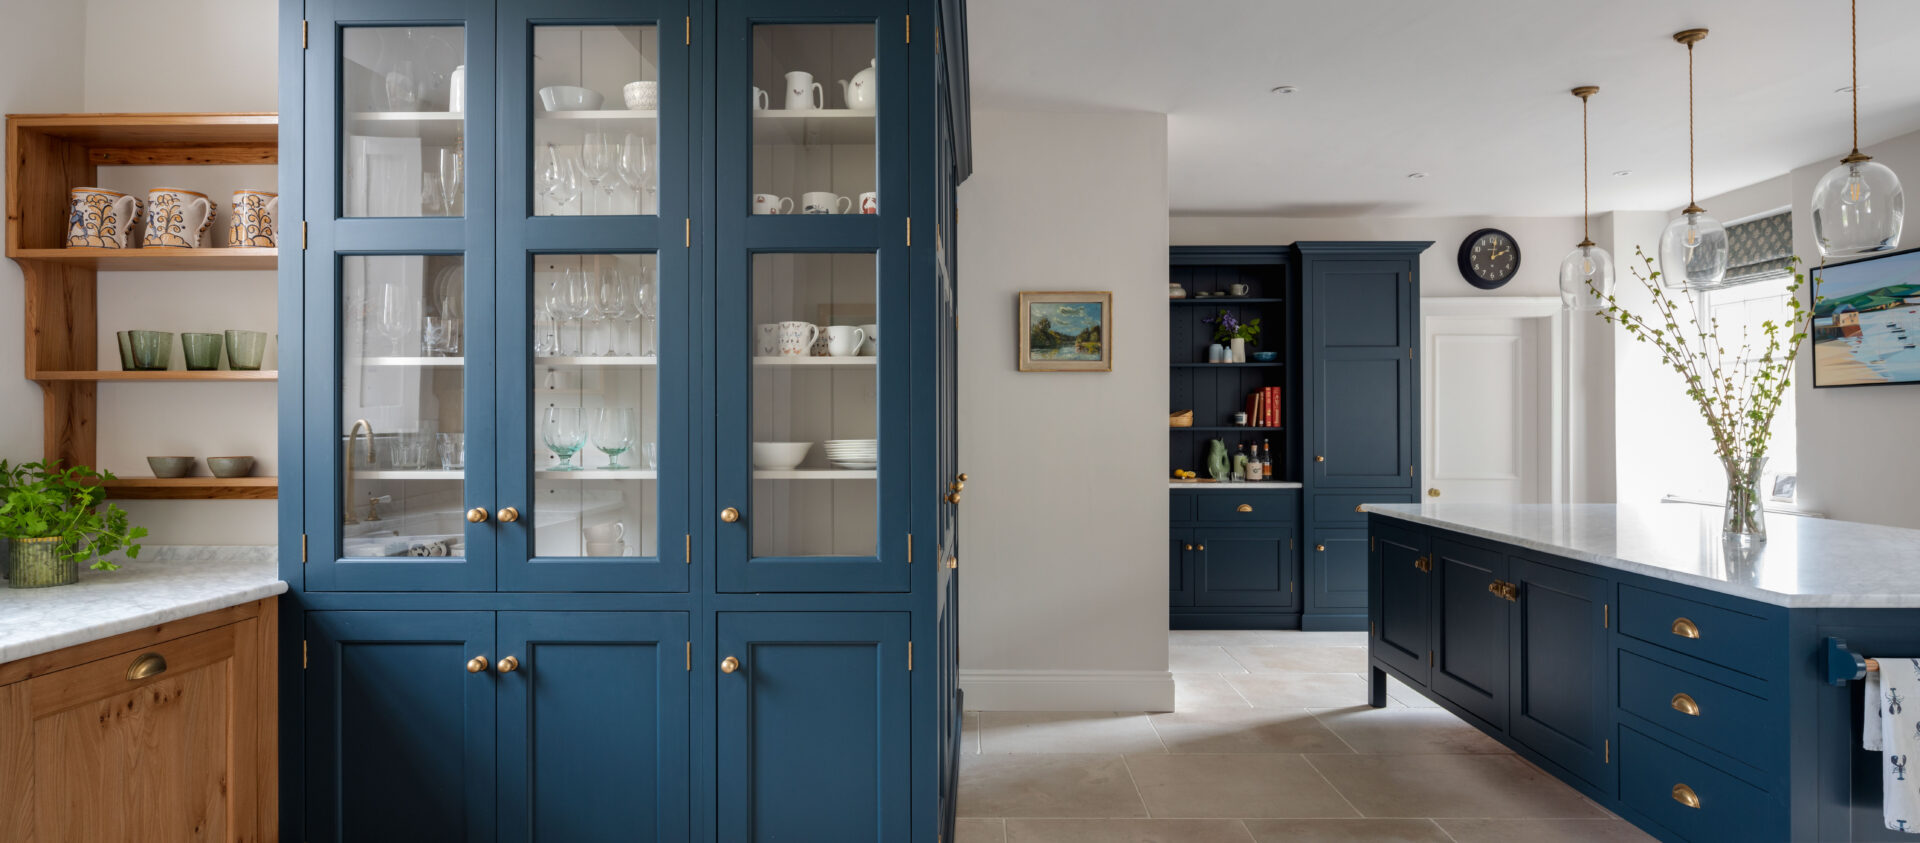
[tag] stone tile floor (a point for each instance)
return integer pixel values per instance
(1271, 740)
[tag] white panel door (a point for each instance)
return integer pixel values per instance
(1484, 397)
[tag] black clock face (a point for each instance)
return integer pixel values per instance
(1489, 258)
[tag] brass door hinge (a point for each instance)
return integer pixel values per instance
(689, 655)
(689, 232)
(909, 29)
(303, 35)
(1409, 469)
(303, 654)
(909, 548)
(1372, 630)
(689, 548)
(303, 235)
(1409, 352)
(689, 30)
(909, 231)
(1370, 546)
(953, 562)
(1429, 658)
(909, 656)
(1607, 747)
(303, 548)
(1606, 615)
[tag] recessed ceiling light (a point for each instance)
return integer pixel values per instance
(1416, 176)
(1623, 173)
(1284, 89)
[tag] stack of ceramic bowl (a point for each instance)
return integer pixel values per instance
(863, 454)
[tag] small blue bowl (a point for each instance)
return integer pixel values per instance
(1265, 356)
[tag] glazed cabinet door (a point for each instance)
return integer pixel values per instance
(400, 726)
(1402, 599)
(1560, 703)
(812, 408)
(593, 726)
(595, 295)
(812, 712)
(399, 296)
(1470, 626)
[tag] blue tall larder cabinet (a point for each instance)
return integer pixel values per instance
(607, 513)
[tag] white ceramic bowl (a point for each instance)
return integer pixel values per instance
(642, 96)
(779, 456)
(570, 98)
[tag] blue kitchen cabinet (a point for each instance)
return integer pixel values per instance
(1401, 601)
(1470, 629)
(1559, 702)
(1361, 328)
(1336, 570)
(1243, 566)
(1179, 551)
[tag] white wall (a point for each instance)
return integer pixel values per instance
(1063, 534)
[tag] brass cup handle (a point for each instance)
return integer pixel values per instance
(730, 515)
(509, 514)
(477, 664)
(1685, 628)
(148, 664)
(1685, 705)
(1245, 507)
(507, 665)
(477, 514)
(1685, 796)
(729, 664)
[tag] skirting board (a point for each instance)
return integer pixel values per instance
(1067, 690)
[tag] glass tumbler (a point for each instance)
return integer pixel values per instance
(245, 348)
(203, 351)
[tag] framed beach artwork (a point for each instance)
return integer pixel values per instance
(1866, 321)
(1066, 332)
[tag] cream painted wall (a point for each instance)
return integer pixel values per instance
(1063, 535)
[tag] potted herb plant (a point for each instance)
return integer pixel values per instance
(55, 517)
(1228, 328)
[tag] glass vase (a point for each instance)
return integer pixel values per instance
(36, 563)
(1745, 520)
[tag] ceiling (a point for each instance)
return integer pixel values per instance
(1474, 93)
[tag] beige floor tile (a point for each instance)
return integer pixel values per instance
(1003, 732)
(1234, 786)
(1451, 786)
(1245, 732)
(980, 831)
(1544, 831)
(1126, 831)
(1405, 731)
(1047, 786)
(1347, 831)
(1276, 637)
(1398, 691)
(1301, 690)
(1205, 691)
(1269, 658)
(1202, 658)
(970, 733)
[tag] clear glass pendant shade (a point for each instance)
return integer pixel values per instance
(1586, 264)
(1693, 252)
(1858, 208)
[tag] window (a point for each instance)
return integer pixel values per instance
(1741, 311)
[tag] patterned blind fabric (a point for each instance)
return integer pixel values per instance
(1759, 248)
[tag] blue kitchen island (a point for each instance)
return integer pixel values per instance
(1701, 690)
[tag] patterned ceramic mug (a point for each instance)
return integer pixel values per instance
(177, 218)
(796, 338)
(869, 203)
(769, 344)
(256, 218)
(100, 217)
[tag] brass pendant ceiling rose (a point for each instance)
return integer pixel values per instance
(1690, 36)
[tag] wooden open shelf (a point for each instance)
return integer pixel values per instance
(47, 156)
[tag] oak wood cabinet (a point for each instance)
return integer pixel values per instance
(162, 734)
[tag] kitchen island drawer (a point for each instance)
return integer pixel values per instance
(1722, 636)
(1345, 509)
(1721, 718)
(1248, 507)
(1692, 798)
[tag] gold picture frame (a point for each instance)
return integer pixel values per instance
(1064, 331)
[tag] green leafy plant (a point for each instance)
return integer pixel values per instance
(42, 500)
(1227, 326)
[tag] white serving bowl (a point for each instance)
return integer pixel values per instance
(642, 96)
(570, 98)
(779, 456)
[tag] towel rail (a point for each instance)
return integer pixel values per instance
(1844, 665)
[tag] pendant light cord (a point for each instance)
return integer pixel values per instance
(1586, 196)
(1690, 198)
(1855, 16)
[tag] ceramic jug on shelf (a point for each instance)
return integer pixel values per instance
(804, 94)
(863, 93)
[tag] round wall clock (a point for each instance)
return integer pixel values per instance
(1489, 258)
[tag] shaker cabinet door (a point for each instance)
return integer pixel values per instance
(1470, 624)
(1244, 567)
(1560, 703)
(1402, 600)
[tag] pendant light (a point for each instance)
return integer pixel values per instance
(1587, 263)
(1858, 207)
(1693, 249)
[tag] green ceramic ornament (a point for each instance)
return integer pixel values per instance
(1217, 460)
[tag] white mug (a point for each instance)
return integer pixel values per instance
(641, 96)
(769, 341)
(871, 348)
(606, 548)
(843, 341)
(256, 216)
(759, 100)
(457, 90)
(796, 338)
(767, 203)
(100, 217)
(606, 532)
(824, 202)
(869, 203)
(177, 218)
(804, 94)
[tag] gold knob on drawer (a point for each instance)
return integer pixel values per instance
(507, 665)
(1685, 628)
(476, 664)
(1685, 705)
(729, 664)
(1685, 796)
(509, 515)
(148, 664)
(730, 515)
(477, 514)
(1245, 507)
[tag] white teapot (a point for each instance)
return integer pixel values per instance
(864, 92)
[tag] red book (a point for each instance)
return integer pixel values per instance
(1253, 410)
(1273, 406)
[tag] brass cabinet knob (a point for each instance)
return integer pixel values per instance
(1685, 628)
(1199, 547)
(1685, 705)
(476, 664)
(730, 515)
(477, 514)
(963, 477)
(507, 665)
(953, 562)
(1433, 493)
(1318, 458)
(509, 514)
(1685, 796)
(953, 498)
(729, 664)
(148, 664)
(956, 486)
(1245, 507)
(1321, 548)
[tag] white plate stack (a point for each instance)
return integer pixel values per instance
(861, 454)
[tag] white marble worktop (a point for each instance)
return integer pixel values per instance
(164, 584)
(1805, 563)
(1242, 486)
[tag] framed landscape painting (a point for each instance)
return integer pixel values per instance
(1066, 332)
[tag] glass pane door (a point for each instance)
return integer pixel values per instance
(595, 110)
(816, 106)
(402, 150)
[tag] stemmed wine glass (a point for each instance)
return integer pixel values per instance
(576, 303)
(559, 180)
(398, 316)
(547, 344)
(646, 301)
(598, 161)
(613, 434)
(613, 305)
(452, 174)
(564, 430)
(636, 170)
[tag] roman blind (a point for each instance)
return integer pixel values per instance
(1759, 248)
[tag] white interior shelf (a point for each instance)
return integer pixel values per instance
(408, 474)
(436, 128)
(817, 474)
(599, 474)
(604, 114)
(440, 362)
(831, 126)
(817, 362)
(596, 361)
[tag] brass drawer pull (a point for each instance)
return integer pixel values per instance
(1245, 507)
(1685, 796)
(1685, 705)
(148, 664)
(1685, 628)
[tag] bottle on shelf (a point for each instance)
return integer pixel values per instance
(1266, 459)
(1254, 472)
(1240, 462)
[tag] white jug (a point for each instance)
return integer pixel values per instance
(804, 94)
(863, 94)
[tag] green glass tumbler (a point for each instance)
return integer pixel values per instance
(36, 563)
(244, 350)
(203, 351)
(152, 350)
(126, 350)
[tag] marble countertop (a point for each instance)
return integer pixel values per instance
(1231, 487)
(164, 584)
(1805, 563)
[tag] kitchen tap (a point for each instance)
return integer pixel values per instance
(352, 434)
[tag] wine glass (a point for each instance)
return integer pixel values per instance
(452, 174)
(636, 170)
(549, 304)
(559, 180)
(612, 306)
(647, 307)
(613, 434)
(433, 202)
(564, 430)
(397, 316)
(576, 303)
(597, 161)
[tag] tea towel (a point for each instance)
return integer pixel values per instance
(1891, 724)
